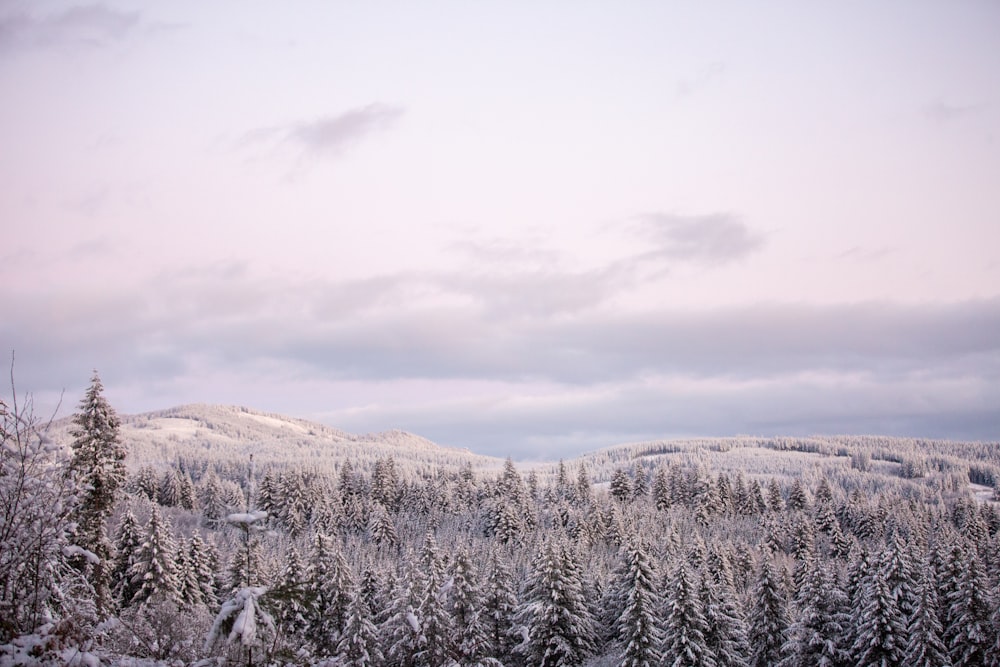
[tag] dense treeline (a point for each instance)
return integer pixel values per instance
(663, 561)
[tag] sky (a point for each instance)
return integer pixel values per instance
(529, 229)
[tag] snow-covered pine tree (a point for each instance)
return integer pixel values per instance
(768, 617)
(402, 630)
(290, 602)
(197, 576)
(382, 528)
(819, 631)
(557, 624)
(436, 627)
(500, 606)
(470, 632)
(359, 645)
(880, 639)
(621, 486)
(128, 540)
(98, 464)
(727, 631)
(638, 607)
(154, 572)
(924, 646)
(330, 582)
(685, 627)
(969, 630)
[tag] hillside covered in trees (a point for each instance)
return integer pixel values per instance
(211, 535)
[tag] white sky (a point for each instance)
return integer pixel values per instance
(525, 228)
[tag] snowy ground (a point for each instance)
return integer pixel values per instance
(983, 494)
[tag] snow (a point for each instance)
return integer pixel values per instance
(71, 550)
(176, 425)
(412, 621)
(247, 517)
(275, 422)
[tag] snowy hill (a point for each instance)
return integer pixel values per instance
(221, 433)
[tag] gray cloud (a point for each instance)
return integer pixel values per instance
(911, 369)
(717, 238)
(331, 134)
(940, 111)
(328, 136)
(704, 77)
(81, 26)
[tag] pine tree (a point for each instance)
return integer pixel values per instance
(638, 622)
(291, 600)
(768, 618)
(684, 639)
(154, 572)
(432, 607)
(499, 607)
(817, 635)
(969, 629)
(197, 576)
(382, 528)
(358, 646)
(470, 632)
(128, 540)
(98, 464)
(621, 486)
(925, 648)
(661, 489)
(330, 583)
(555, 615)
(402, 629)
(881, 636)
(727, 633)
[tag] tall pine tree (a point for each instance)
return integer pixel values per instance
(98, 464)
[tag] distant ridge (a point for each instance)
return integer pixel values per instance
(206, 433)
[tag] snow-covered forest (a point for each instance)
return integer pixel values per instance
(215, 535)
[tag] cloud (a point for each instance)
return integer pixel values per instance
(324, 137)
(564, 368)
(717, 238)
(331, 134)
(80, 26)
(703, 78)
(943, 112)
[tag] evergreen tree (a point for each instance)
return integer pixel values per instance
(436, 630)
(330, 583)
(470, 632)
(661, 489)
(621, 486)
(358, 646)
(499, 607)
(881, 636)
(925, 648)
(816, 637)
(128, 540)
(382, 529)
(638, 622)
(555, 615)
(154, 573)
(197, 575)
(98, 464)
(640, 481)
(768, 618)
(727, 633)
(290, 603)
(685, 644)
(402, 629)
(969, 630)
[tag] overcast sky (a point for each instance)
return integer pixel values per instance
(526, 228)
